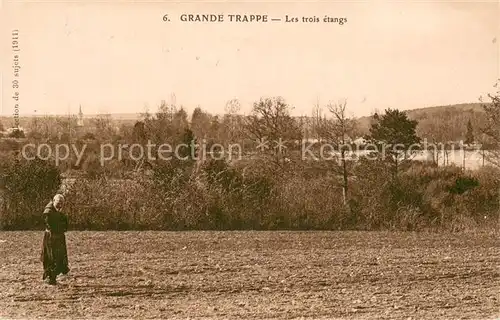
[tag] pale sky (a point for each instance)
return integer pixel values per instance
(118, 57)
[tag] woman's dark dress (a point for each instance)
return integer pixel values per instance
(54, 254)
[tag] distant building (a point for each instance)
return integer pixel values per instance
(14, 132)
(360, 141)
(79, 121)
(14, 129)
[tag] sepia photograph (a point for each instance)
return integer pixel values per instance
(249, 159)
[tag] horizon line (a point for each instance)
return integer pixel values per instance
(87, 115)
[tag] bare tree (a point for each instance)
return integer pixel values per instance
(231, 117)
(339, 130)
(104, 126)
(438, 132)
(168, 124)
(272, 126)
(492, 129)
(316, 121)
(200, 123)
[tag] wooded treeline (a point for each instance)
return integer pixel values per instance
(268, 188)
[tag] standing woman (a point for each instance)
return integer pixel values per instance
(54, 252)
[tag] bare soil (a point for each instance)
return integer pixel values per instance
(255, 275)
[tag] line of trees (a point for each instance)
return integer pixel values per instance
(272, 188)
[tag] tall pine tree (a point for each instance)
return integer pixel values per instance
(396, 135)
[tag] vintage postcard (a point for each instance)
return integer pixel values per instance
(249, 159)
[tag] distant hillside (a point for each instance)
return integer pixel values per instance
(463, 107)
(451, 118)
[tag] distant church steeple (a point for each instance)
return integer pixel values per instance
(79, 121)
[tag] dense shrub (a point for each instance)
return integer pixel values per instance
(186, 195)
(425, 196)
(25, 189)
(100, 204)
